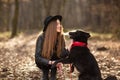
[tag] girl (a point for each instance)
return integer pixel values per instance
(50, 46)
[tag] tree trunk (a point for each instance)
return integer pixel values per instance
(15, 19)
(8, 15)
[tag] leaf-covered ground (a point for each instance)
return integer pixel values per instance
(17, 58)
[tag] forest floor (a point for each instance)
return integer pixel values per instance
(17, 58)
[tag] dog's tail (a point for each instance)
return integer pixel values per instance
(111, 78)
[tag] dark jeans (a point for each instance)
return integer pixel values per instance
(46, 70)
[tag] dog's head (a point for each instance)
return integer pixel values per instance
(80, 36)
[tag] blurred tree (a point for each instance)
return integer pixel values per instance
(48, 5)
(95, 15)
(15, 19)
(8, 15)
(0, 5)
(1, 21)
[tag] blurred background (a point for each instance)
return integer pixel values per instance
(21, 22)
(101, 16)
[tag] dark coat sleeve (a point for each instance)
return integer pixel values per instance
(38, 58)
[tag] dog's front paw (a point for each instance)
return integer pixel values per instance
(72, 68)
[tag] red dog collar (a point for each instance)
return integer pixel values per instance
(76, 43)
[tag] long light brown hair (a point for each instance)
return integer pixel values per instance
(50, 40)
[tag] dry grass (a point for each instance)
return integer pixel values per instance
(17, 58)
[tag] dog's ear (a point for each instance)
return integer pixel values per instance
(87, 35)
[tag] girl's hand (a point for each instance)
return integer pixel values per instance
(51, 62)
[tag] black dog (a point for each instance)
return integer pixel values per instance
(81, 57)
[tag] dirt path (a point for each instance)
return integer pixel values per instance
(17, 58)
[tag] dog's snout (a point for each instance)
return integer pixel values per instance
(71, 33)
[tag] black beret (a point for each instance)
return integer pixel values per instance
(49, 19)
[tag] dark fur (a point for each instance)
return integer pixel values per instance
(82, 58)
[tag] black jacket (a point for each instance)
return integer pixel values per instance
(43, 61)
